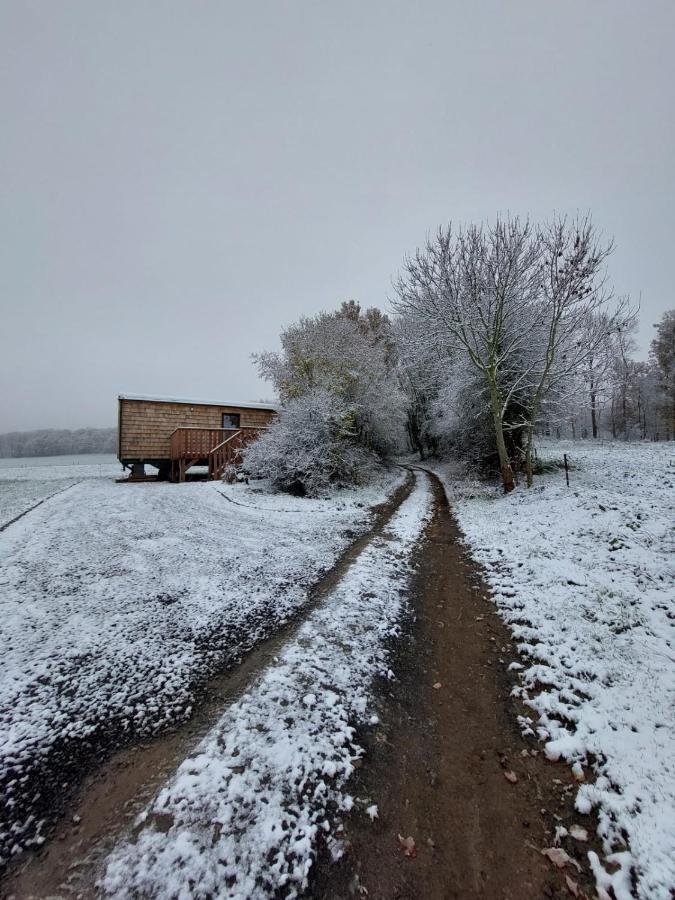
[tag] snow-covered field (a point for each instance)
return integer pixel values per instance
(118, 601)
(25, 482)
(242, 817)
(585, 577)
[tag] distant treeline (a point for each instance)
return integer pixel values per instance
(58, 442)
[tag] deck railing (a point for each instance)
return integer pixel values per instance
(216, 447)
(228, 452)
(195, 443)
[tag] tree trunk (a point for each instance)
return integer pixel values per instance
(594, 415)
(528, 456)
(624, 411)
(414, 436)
(505, 467)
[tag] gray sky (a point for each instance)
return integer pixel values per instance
(180, 179)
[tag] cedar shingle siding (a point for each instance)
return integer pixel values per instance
(145, 426)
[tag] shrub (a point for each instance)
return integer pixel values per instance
(311, 447)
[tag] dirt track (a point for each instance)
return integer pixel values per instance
(435, 767)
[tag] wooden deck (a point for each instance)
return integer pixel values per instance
(216, 448)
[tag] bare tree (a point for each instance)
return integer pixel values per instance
(596, 368)
(663, 357)
(572, 312)
(528, 308)
(474, 292)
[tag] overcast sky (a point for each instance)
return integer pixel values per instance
(180, 179)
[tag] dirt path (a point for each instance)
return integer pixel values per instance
(111, 797)
(436, 767)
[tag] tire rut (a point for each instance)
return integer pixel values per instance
(39, 503)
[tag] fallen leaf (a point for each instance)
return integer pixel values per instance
(559, 857)
(511, 776)
(437, 685)
(572, 886)
(408, 846)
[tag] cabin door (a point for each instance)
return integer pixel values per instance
(231, 421)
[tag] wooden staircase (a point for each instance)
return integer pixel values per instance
(216, 448)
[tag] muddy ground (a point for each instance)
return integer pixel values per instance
(437, 767)
(452, 821)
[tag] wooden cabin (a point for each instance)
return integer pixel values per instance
(174, 434)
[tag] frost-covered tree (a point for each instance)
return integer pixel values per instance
(516, 310)
(448, 403)
(572, 317)
(474, 291)
(311, 447)
(422, 372)
(336, 377)
(662, 355)
(351, 355)
(627, 400)
(598, 366)
(58, 442)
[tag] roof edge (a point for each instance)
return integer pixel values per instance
(193, 402)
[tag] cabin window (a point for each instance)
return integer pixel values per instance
(231, 420)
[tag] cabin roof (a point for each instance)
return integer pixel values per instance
(193, 402)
